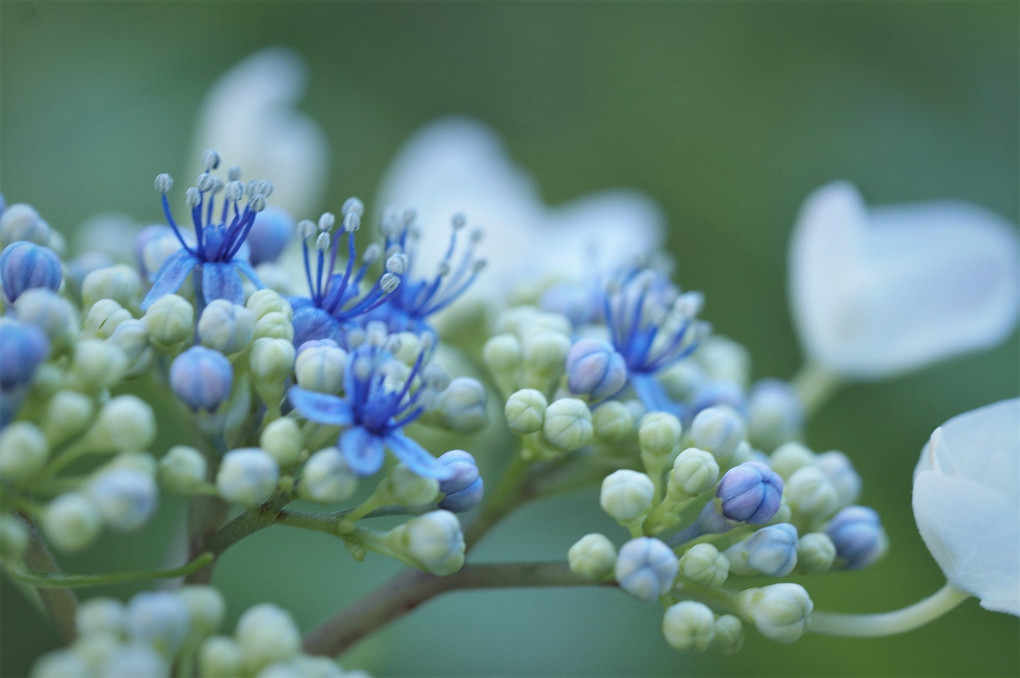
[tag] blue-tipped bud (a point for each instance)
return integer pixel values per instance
(858, 535)
(775, 414)
(24, 265)
(750, 493)
(646, 568)
(771, 551)
(125, 497)
(22, 348)
(465, 487)
(595, 369)
(202, 378)
(269, 235)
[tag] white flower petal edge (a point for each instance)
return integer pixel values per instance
(883, 291)
(967, 503)
(249, 117)
(457, 164)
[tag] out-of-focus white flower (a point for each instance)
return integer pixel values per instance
(249, 117)
(458, 165)
(880, 291)
(967, 503)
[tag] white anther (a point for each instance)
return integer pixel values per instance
(362, 364)
(372, 252)
(459, 220)
(477, 235)
(689, 304)
(393, 343)
(164, 182)
(257, 203)
(389, 282)
(217, 185)
(306, 228)
(397, 263)
(251, 188)
(235, 191)
(352, 222)
(234, 174)
(193, 197)
(326, 221)
(353, 206)
(204, 182)
(479, 265)
(264, 187)
(426, 341)
(443, 269)
(323, 242)
(210, 160)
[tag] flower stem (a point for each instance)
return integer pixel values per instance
(411, 588)
(815, 385)
(59, 580)
(61, 605)
(889, 623)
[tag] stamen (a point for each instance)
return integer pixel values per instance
(210, 160)
(353, 206)
(234, 174)
(164, 182)
(204, 181)
(326, 221)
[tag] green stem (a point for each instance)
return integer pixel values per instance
(61, 606)
(68, 581)
(889, 623)
(411, 588)
(237, 529)
(815, 385)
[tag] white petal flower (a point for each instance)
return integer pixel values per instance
(967, 503)
(876, 292)
(249, 117)
(459, 165)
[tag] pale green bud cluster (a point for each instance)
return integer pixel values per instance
(432, 542)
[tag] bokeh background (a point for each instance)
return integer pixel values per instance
(728, 114)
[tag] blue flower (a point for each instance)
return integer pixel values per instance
(652, 325)
(419, 295)
(335, 298)
(375, 407)
(215, 256)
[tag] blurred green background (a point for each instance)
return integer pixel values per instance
(728, 114)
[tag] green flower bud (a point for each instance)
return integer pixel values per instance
(282, 440)
(411, 489)
(13, 537)
(96, 365)
(182, 469)
(689, 626)
(729, 635)
(781, 612)
(503, 354)
(206, 607)
(815, 553)
(612, 422)
(521, 320)
(626, 495)
(143, 462)
(124, 424)
(681, 380)
(132, 337)
(247, 476)
(659, 434)
(704, 565)
(98, 650)
(120, 283)
(567, 424)
(266, 634)
(724, 360)
(462, 405)
(23, 451)
(321, 368)
(220, 656)
(71, 521)
(226, 327)
(809, 493)
(718, 430)
(171, 321)
(525, 411)
(61, 663)
(694, 472)
(593, 557)
(790, 457)
(433, 541)
(21, 222)
(545, 353)
(50, 312)
(326, 477)
(272, 360)
(100, 616)
(268, 301)
(103, 318)
(274, 325)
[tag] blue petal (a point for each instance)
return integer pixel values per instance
(311, 323)
(249, 271)
(362, 450)
(416, 458)
(221, 281)
(170, 276)
(322, 408)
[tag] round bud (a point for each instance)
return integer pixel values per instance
(593, 557)
(724, 360)
(100, 616)
(206, 608)
(434, 541)
(464, 488)
(269, 235)
(158, 618)
(61, 664)
(659, 434)
(267, 301)
(525, 411)
(775, 414)
(274, 325)
(704, 565)
(272, 360)
(201, 378)
(409, 488)
(22, 222)
(545, 352)
(626, 495)
(71, 521)
(247, 476)
(750, 493)
(282, 440)
(694, 471)
(52, 314)
(320, 366)
(858, 536)
(646, 568)
(133, 660)
(326, 478)
(689, 626)
(595, 369)
(220, 656)
(119, 282)
(170, 320)
(842, 475)
(503, 354)
(13, 537)
(226, 327)
(815, 553)
(729, 635)
(182, 469)
(124, 424)
(132, 337)
(682, 380)
(103, 318)
(810, 494)
(612, 421)
(781, 612)
(771, 551)
(23, 451)
(790, 457)
(25, 265)
(462, 405)
(718, 430)
(266, 634)
(23, 348)
(126, 498)
(567, 424)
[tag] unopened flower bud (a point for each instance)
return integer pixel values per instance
(220, 656)
(61, 664)
(858, 536)
(689, 626)
(126, 498)
(724, 360)
(544, 353)
(595, 369)
(729, 634)
(52, 314)
(268, 301)
(612, 421)
(22, 222)
(775, 414)
(118, 282)
(13, 537)
(781, 612)
(750, 493)
(842, 475)
(810, 494)
(525, 411)
(411, 489)
(182, 469)
(23, 348)
(320, 366)
(718, 430)
(434, 541)
(593, 557)
(23, 451)
(626, 495)
(159, 618)
(206, 608)
(282, 440)
(103, 318)
(71, 521)
(124, 424)
(266, 634)
(226, 327)
(25, 265)
(133, 660)
(682, 380)
(815, 553)
(326, 478)
(272, 360)
(247, 476)
(201, 378)
(462, 405)
(503, 353)
(269, 235)
(170, 320)
(771, 551)
(100, 616)
(694, 471)
(464, 488)
(704, 565)
(790, 457)
(567, 424)
(646, 568)
(274, 325)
